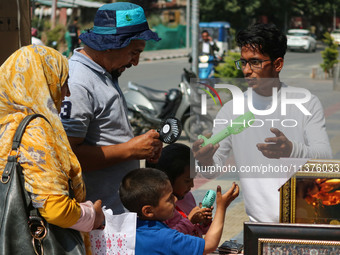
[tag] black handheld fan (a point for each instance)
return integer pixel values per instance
(170, 130)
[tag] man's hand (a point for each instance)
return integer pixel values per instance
(146, 146)
(276, 147)
(204, 154)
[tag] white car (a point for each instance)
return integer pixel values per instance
(336, 36)
(300, 39)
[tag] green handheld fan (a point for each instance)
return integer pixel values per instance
(237, 126)
(209, 199)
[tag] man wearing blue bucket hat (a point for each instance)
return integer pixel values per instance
(95, 115)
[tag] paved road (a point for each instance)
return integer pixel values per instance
(300, 64)
(166, 73)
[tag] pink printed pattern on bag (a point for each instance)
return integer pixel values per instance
(115, 244)
(108, 243)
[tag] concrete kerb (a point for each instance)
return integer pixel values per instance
(163, 57)
(164, 54)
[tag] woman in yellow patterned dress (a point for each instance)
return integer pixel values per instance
(34, 80)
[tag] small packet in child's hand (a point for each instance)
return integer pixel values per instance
(118, 236)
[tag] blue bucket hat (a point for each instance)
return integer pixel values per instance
(115, 25)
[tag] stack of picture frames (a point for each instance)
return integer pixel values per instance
(309, 215)
(312, 195)
(291, 239)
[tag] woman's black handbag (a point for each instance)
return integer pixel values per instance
(22, 229)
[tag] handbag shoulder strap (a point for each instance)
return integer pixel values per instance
(21, 129)
(12, 159)
(17, 140)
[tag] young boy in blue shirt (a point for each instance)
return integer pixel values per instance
(148, 192)
(177, 161)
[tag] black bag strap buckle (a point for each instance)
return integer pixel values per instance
(38, 231)
(9, 168)
(37, 227)
(5, 180)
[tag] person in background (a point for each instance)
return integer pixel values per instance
(34, 39)
(207, 45)
(34, 80)
(177, 162)
(95, 115)
(263, 47)
(148, 193)
(74, 33)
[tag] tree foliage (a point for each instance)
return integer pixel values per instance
(228, 68)
(238, 12)
(330, 54)
(146, 4)
(241, 13)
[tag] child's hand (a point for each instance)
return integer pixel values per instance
(200, 215)
(208, 216)
(225, 199)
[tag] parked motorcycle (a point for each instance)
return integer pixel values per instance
(148, 107)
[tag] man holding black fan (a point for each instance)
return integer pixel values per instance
(95, 115)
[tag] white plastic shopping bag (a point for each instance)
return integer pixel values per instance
(118, 236)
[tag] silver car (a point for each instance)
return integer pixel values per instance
(300, 39)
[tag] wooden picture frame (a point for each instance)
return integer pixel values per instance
(312, 195)
(264, 238)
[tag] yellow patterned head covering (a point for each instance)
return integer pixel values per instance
(31, 81)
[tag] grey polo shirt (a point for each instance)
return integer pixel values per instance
(96, 111)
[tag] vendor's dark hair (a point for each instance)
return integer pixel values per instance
(266, 38)
(140, 187)
(173, 160)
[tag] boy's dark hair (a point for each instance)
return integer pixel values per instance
(140, 187)
(173, 160)
(264, 37)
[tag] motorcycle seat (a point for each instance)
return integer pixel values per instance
(151, 94)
